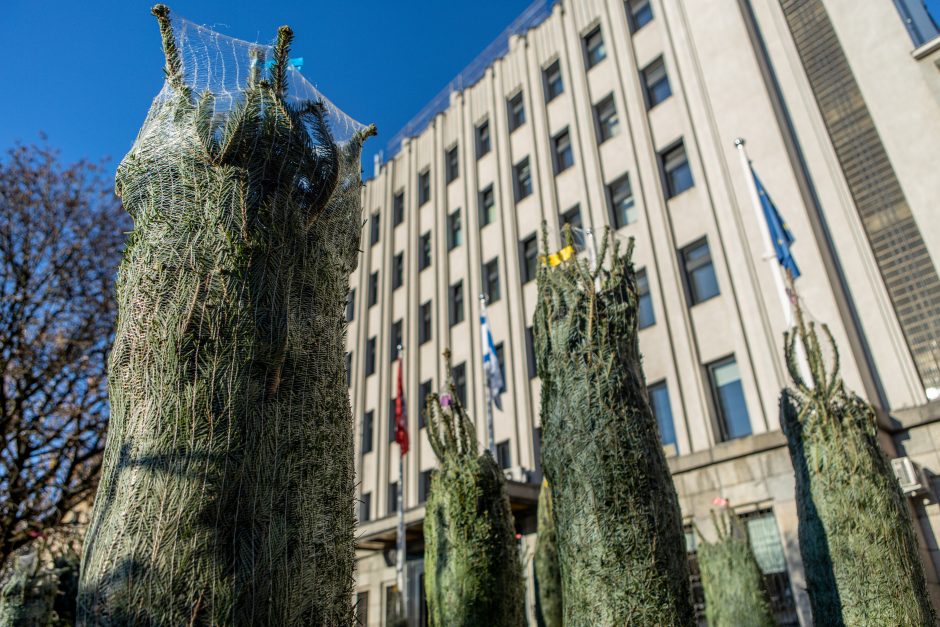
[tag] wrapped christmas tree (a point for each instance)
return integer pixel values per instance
(620, 541)
(472, 570)
(547, 571)
(856, 534)
(227, 489)
(734, 588)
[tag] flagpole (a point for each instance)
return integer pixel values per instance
(400, 548)
(490, 436)
(769, 255)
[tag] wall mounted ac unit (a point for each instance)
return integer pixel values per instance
(910, 476)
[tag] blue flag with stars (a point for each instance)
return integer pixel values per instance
(780, 233)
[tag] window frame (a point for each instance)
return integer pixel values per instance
(604, 128)
(373, 288)
(424, 186)
(351, 304)
(459, 374)
(488, 279)
(528, 276)
(547, 82)
(692, 295)
(367, 445)
(375, 228)
(483, 138)
(365, 509)
(398, 207)
(485, 218)
(515, 111)
(451, 164)
(613, 206)
(643, 291)
(454, 229)
(370, 356)
(666, 172)
(520, 184)
(663, 384)
(398, 270)
(565, 218)
(424, 251)
(633, 11)
(455, 303)
(592, 59)
(425, 322)
(559, 164)
(649, 86)
(721, 416)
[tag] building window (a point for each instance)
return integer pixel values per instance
(391, 603)
(392, 423)
(348, 364)
(501, 362)
(676, 170)
(460, 382)
(530, 352)
(398, 208)
(503, 455)
(374, 228)
(398, 271)
(701, 282)
(522, 179)
(424, 251)
(424, 323)
(452, 161)
(594, 50)
(456, 303)
(640, 13)
(454, 230)
(351, 305)
(623, 210)
(392, 502)
(645, 315)
(516, 110)
(768, 551)
(362, 604)
(368, 428)
(483, 138)
(656, 83)
(373, 288)
(424, 391)
(922, 19)
(424, 485)
(487, 206)
(572, 217)
(424, 187)
(491, 280)
(605, 116)
(554, 85)
(365, 513)
(370, 356)
(728, 393)
(562, 155)
(529, 252)
(662, 410)
(395, 340)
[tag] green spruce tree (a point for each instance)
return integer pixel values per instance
(227, 489)
(28, 597)
(620, 541)
(547, 569)
(473, 573)
(855, 529)
(735, 595)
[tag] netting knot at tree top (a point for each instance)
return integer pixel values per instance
(227, 489)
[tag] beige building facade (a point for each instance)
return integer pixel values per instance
(604, 113)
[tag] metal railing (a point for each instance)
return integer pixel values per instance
(532, 16)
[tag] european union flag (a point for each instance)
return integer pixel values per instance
(780, 234)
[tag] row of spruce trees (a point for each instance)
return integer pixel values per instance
(227, 494)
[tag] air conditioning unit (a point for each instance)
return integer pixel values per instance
(910, 476)
(516, 473)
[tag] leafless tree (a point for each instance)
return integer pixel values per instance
(61, 233)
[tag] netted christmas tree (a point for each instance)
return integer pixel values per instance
(620, 541)
(473, 572)
(735, 595)
(227, 490)
(547, 569)
(856, 534)
(28, 597)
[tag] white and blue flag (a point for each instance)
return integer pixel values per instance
(494, 378)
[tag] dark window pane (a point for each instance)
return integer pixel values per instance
(501, 362)
(530, 257)
(487, 206)
(392, 499)
(398, 208)
(424, 485)
(398, 271)
(554, 85)
(491, 280)
(456, 303)
(362, 605)
(483, 138)
(571, 216)
(645, 315)
(365, 513)
(424, 187)
(503, 454)
(454, 230)
(516, 107)
(562, 152)
(460, 382)
(622, 208)
(530, 352)
(729, 398)
(424, 390)
(348, 364)
(424, 323)
(351, 305)
(594, 49)
(522, 179)
(395, 340)
(452, 160)
(605, 114)
(676, 170)
(370, 356)
(662, 409)
(424, 251)
(656, 83)
(640, 13)
(374, 229)
(368, 427)
(699, 272)
(373, 288)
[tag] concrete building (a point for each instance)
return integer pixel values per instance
(606, 113)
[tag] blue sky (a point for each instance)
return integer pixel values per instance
(85, 72)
